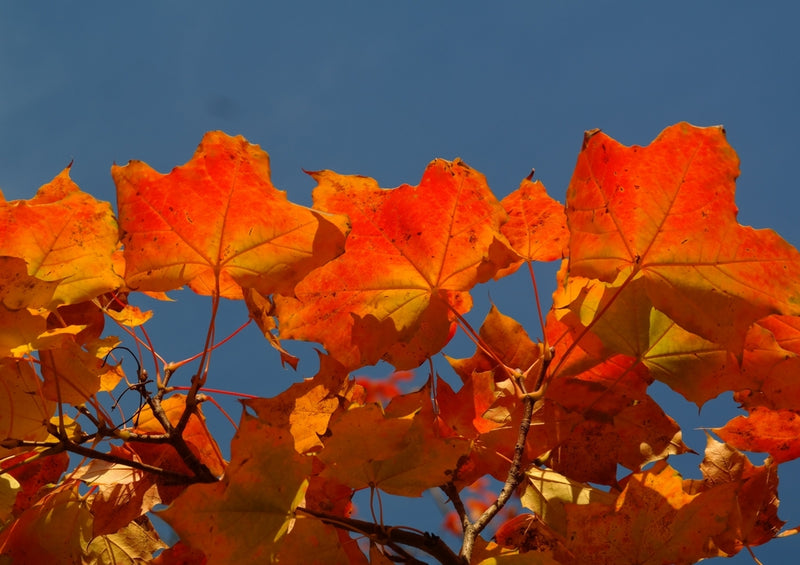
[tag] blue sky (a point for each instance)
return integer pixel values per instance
(381, 89)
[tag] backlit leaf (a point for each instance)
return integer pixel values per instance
(776, 432)
(666, 213)
(20, 290)
(55, 530)
(400, 452)
(756, 520)
(65, 236)
(536, 227)
(433, 243)
(217, 222)
(654, 520)
(771, 363)
(24, 411)
(131, 545)
(242, 518)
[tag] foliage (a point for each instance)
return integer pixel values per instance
(658, 282)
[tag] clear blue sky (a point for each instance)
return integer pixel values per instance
(381, 89)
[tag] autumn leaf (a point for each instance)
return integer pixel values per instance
(55, 530)
(73, 375)
(400, 451)
(756, 520)
(433, 243)
(133, 544)
(262, 312)
(536, 226)
(66, 237)
(123, 494)
(180, 554)
(20, 332)
(304, 409)
(654, 520)
(24, 411)
(666, 213)
(531, 535)
(491, 553)
(628, 324)
(32, 472)
(242, 518)
(545, 492)
(591, 422)
(20, 290)
(770, 364)
(217, 222)
(776, 432)
(311, 542)
(502, 338)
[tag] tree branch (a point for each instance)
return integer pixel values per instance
(390, 535)
(472, 530)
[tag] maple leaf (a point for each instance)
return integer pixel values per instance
(433, 242)
(666, 213)
(9, 487)
(756, 520)
(54, 530)
(545, 492)
(591, 422)
(313, 543)
(20, 290)
(131, 545)
(66, 237)
(628, 324)
(32, 473)
(775, 431)
(217, 222)
(653, 520)
(304, 409)
(242, 518)
(24, 411)
(73, 375)
(261, 311)
(400, 451)
(123, 493)
(770, 364)
(528, 533)
(536, 226)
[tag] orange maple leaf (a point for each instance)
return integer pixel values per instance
(654, 520)
(537, 225)
(242, 518)
(24, 410)
(627, 323)
(411, 257)
(776, 432)
(65, 236)
(399, 451)
(770, 364)
(217, 222)
(54, 530)
(666, 213)
(756, 521)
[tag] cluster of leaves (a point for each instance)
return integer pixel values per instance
(658, 282)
